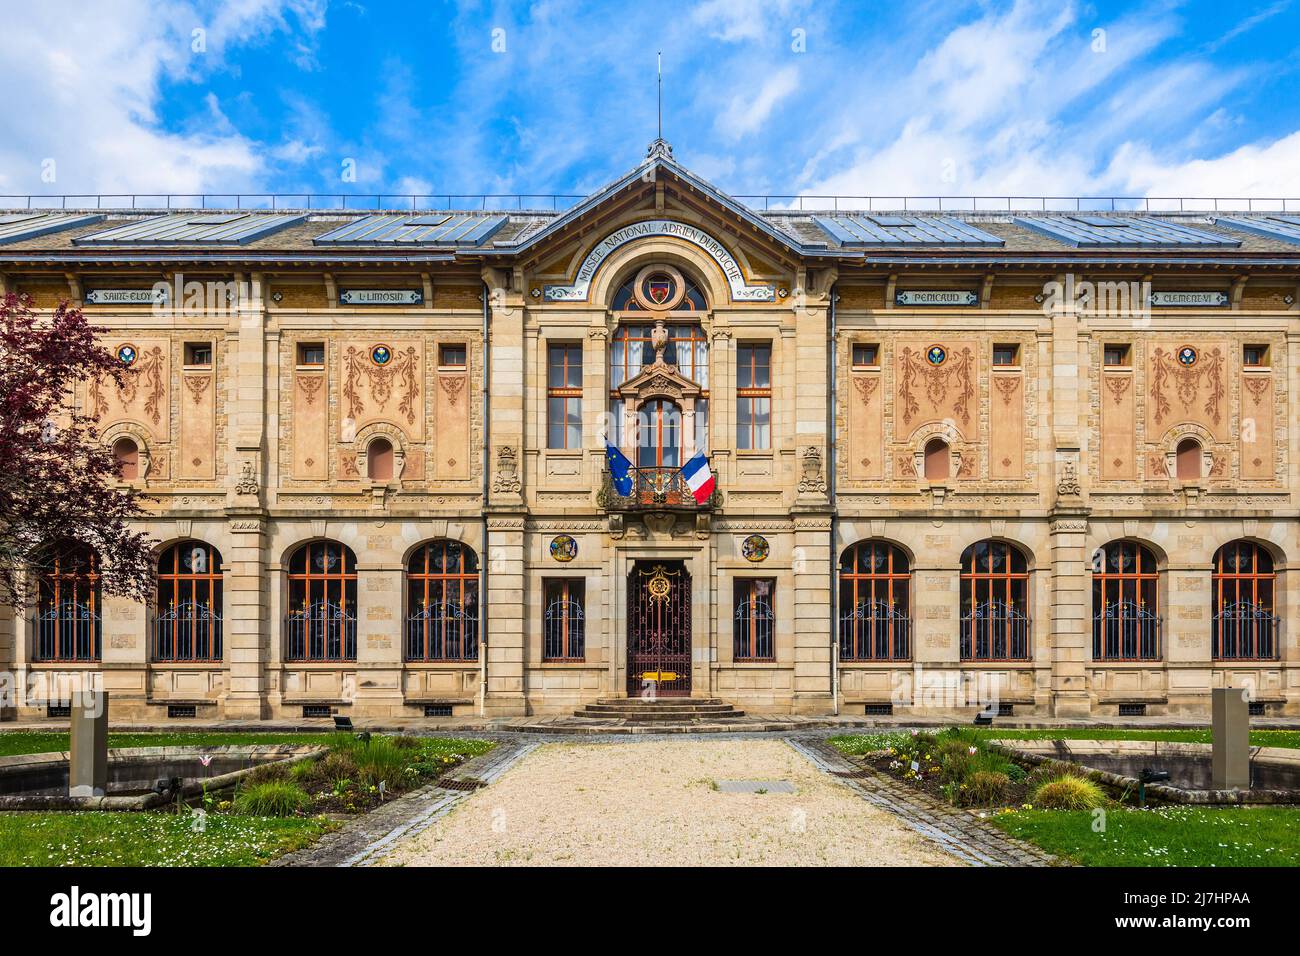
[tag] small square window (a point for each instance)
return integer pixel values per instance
(451, 356)
(1254, 356)
(1116, 355)
(866, 355)
(311, 353)
(198, 354)
(1006, 355)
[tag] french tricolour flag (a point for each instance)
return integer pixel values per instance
(698, 478)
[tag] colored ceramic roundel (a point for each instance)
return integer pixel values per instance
(126, 354)
(381, 354)
(1187, 356)
(564, 547)
(755, 548)
(936, 355)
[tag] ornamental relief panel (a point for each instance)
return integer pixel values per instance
(1187, 384)
(1257, 427)
(936, 382)
(144, 396)
(866, 419)
(381, 381)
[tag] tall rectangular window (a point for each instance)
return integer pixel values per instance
(563, 620)
(753, 397)
(564, 396)
(754, 620)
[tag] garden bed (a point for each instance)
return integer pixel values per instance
(1102, 829)
(272, 809)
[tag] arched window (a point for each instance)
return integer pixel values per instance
(442, 603)
(187, 615)
(379, 460)
(322, 621)
(659, 442)
(1125, 603)
(875, 603)
(1188, 459)
(68, 601)
(625, 298)
(994, 603)
(126, 453)
(938, 460)
(1244, 622)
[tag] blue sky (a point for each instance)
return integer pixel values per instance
(851, 98)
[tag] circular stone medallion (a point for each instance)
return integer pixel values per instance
(381, 355)
(936, 354)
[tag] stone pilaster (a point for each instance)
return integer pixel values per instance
(1068, 632)
(379, 633)
(507, 579)
(246, 626)
(811, 563)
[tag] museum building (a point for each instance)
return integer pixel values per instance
(1028, 457)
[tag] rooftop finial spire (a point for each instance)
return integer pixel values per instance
(660, 148)
(659, 59)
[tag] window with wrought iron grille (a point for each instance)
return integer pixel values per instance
(1125, 603)
(442, 602)
(68, 604)
(188, 604)
(994, 603)
(564, 396)
(875, 603)
(753, 397)
(321, 624)
(754, 619)
(563, 620)
(1244, 625)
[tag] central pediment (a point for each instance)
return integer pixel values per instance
(659, 380)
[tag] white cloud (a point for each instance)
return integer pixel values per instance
(91, 77)
(1257, 171)
(1019, 103)
(747, 115)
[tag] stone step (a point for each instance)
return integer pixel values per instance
(660, 708)
(680, 710)
(658, 701)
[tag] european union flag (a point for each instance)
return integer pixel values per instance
(620, 469)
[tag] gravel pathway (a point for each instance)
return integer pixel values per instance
(657, 803)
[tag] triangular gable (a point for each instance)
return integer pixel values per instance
(659, 155)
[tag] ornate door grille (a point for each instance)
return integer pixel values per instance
(659, 630)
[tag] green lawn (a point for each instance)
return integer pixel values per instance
(864, 743)
(150, 839)
(29, 742)
(1164, 836)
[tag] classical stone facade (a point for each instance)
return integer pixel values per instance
(942, 475)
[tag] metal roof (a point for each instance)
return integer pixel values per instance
(16, 227)
(1286, 228)
(434, 229)
(1093, 231)
(196, 229)
(869, 229)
